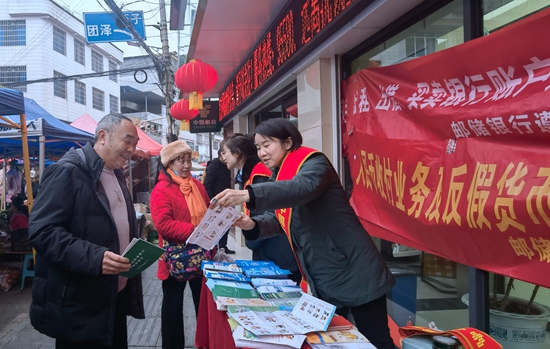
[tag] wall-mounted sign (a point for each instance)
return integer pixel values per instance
(106, 27)
(296, 27)
(207, 120)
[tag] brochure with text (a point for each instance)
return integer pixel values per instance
(343, 336)
(244, 338)
(213, 226)
(141, 255)
(257, 282)
(309, 315)
(209, 274)
(342, 346)
(221, 266)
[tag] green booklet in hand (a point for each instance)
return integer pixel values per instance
(141, 255)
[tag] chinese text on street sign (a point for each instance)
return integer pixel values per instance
(106, 27)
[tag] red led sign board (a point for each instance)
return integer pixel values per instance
(299, 23)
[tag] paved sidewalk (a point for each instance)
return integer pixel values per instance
(142, 334)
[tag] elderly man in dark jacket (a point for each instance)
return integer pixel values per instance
(82, 220)
(216, 180)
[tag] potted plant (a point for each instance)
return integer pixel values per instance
(514, 322)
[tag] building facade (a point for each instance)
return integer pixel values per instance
(293, 67)
(41, 40)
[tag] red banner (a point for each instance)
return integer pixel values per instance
(449, 152)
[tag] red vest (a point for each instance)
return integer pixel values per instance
(289, 168)
(258, 170)
(470, 338)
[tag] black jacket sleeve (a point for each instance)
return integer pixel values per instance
(50, 220)
(309, 183)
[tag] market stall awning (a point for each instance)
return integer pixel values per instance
(148, 143)
(88, 124)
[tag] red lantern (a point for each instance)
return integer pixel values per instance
(195, 78)
(180, 110)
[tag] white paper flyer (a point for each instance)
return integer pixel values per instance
(212, 226)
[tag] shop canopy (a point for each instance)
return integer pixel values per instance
(145, 147)
(58, 137)
(148, 143)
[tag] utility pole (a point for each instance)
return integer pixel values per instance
(164, 67)
(167, 58)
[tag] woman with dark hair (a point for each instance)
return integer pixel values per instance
(178, 203)
(305, 197)
(239, 151)
(20, 216)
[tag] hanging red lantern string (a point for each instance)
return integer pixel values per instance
(180, 110)
(195, 78)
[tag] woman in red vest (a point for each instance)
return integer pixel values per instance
(239, 151)
(305, 198)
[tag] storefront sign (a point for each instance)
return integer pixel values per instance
(207, 120)
(300, 22)
(449, 152)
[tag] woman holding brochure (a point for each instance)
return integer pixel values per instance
(305, 198)
(239, 151)
(178, 203)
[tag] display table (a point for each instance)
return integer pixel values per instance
(213, 330)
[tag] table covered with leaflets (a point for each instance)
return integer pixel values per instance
(251, 304)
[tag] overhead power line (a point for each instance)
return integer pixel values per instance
(76, 77)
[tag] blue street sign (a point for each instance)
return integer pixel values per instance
(106, 27)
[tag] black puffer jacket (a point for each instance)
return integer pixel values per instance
(341, 262)
(71, 227)
(218, 178)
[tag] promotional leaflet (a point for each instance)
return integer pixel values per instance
(256, 282)
(244, 338)
(141, 255)
(309, 315)
(213, 226)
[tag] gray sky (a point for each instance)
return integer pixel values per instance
(151, 14)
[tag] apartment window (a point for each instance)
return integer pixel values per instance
(13, 33)
(191, 144)
(98, 98)
(14, 74)
(59, 41)
(97, 62)
(199, 138)
(215, 145)
(59, 86)
(79, 52)
(112, 67)
(113, 104)
(79, 92)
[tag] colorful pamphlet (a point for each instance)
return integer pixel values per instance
(225, 276)
(247, 339)
(141, 255)
(309, 315)
(213, 226)
(257, 282)
(221, 266)
(342, 336)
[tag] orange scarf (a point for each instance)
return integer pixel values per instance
(192, 195)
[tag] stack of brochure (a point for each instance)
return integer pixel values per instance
(263, 269)
(309, 315)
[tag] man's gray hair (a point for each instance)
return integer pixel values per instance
(109, 123)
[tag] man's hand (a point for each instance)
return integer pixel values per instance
(230, 197)
(245, 222)
(114, 264)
